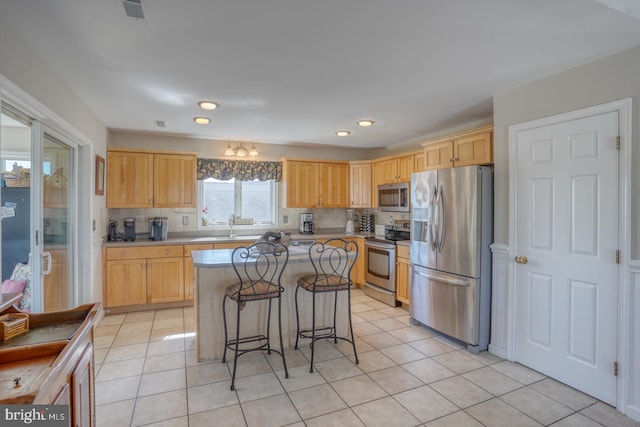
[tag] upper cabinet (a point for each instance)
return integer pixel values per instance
(313, 184)
(144, 179)
(360, 182)
(470, 148)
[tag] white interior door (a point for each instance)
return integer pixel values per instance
(567, 228)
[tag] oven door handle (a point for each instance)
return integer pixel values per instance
(387, 248)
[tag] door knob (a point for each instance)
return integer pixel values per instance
(521, 259)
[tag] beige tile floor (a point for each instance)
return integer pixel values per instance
(146, 374)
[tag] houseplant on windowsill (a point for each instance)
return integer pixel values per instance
(205, 218)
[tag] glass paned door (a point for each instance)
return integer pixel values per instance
(58, 189)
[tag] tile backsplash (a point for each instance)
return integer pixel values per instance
(323, 218)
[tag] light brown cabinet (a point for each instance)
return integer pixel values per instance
(144, 274)
(82, 390)
(406, 166)
(360, 184)
(403, 266)
(309, 184)
(357, 273)
(147, 179)
(471, 148)
(419, 164)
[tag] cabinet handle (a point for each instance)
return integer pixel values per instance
(167, 251)
(143, 265)
(149, 265)
(123, 253)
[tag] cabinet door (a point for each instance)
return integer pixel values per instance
(126, 282)
(334, 185)
(402, 280)
(473, 150)
(357, 273)
(56, 283)
(376, 180)
(405, 168)
(419, 164)
(165, 280)
(360, 183)
(302, 184)
(439, 156)
(82, 391)
(174, 180)
(389, 171)
(129, 180)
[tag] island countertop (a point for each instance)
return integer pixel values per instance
(219, 258)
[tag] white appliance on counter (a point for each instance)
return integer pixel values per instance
(451, 230)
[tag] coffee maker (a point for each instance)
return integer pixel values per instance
(129, 229)
(306, 223)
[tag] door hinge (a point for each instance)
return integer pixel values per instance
(618, 142)
(618, 256)
(615, 368)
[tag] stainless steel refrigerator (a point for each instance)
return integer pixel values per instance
(451, 230)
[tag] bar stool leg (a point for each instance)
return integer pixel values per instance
(313, 329)
(335, 311)
(224, 320)
(284, 362)
(297, 318)
(353, 338)
(235, 358)
(269, 328)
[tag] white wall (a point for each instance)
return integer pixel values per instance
(611, 78)
(26, 80)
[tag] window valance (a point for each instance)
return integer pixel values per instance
(241, 170)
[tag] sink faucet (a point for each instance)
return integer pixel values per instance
(232, 222)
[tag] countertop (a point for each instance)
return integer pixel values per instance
(195, 238)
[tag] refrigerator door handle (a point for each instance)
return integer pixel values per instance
(443, 279)
(432, 221)
(435, 215)
(442, 223)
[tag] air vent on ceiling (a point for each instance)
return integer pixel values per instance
(133, 8)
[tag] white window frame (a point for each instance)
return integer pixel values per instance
(237, 206)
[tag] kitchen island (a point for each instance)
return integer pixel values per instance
(214, 273)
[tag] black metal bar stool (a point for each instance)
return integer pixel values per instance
(332, 262)
(259, 268)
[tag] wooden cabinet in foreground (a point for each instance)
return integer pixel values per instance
(52, 363)
(145, 179)
(469, 148)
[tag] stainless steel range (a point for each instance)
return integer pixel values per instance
(380, 262)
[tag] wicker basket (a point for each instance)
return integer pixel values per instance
(13, 324)
(17, 182)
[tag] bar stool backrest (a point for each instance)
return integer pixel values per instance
(333, 260)
(259, 267)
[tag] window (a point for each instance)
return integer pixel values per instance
(247, 199)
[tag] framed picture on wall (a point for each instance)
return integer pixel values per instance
(99, 176)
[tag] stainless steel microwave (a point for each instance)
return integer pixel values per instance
(394, 197)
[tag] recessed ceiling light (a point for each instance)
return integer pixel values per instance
(343, 133)
(208, 105)
(201, 120)
(365, 123)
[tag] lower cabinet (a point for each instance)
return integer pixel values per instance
(144, 274)
(56, 284)
(403, 266)
(357, 274)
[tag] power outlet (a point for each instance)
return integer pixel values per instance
(185, 220)
(285, 219)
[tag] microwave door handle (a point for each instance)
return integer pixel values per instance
(443, 225)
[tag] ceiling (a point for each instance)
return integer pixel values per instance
(297, 71)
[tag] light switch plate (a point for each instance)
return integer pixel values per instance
(185, 220)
